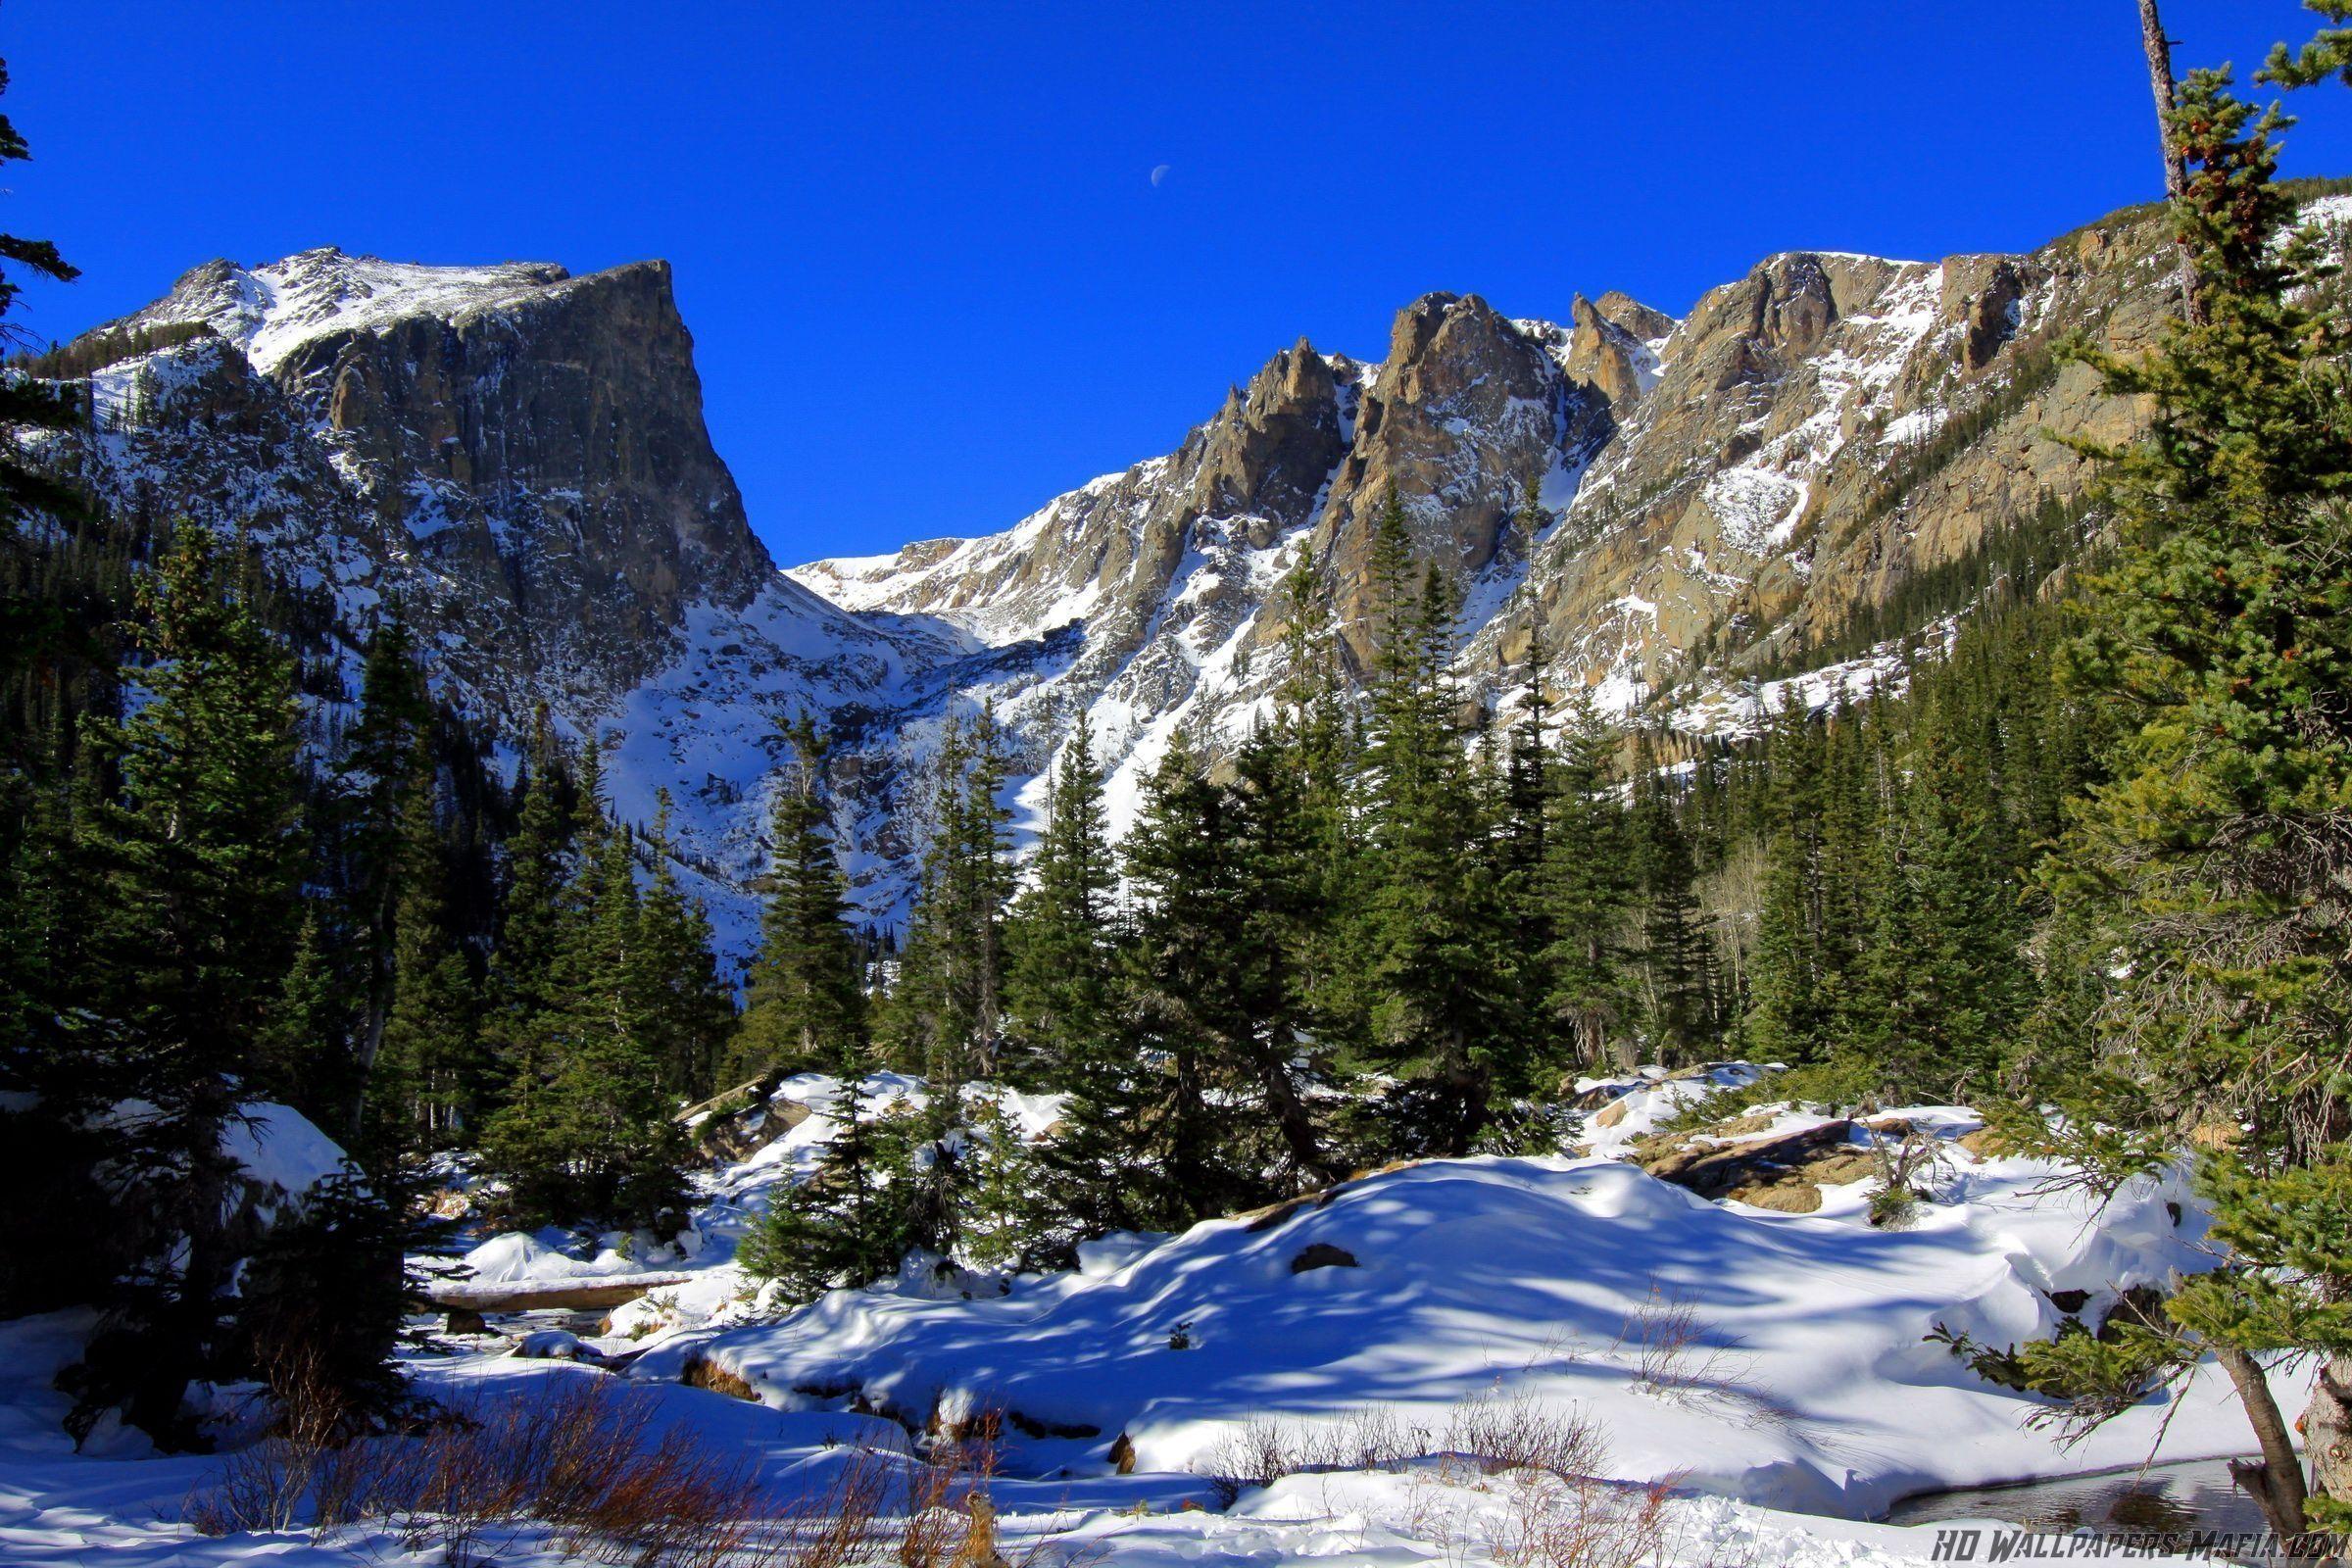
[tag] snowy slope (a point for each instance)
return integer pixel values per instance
(1808, 1381)
(270, 310)
(59, 1509)
(1713, 493)
(1796, 1395)
(387, 431)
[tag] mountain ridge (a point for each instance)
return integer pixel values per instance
(517, 455)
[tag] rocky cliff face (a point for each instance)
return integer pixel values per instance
(530, 442)
(517, 458)
(1718, 492)
(520, 456)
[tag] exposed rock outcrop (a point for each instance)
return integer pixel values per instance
(520, 457)
(533, 441)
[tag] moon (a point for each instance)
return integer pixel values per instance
(1159, 173)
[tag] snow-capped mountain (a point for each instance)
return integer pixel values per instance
(1715, 491)
(520, 457)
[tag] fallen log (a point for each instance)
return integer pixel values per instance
(584, 1293)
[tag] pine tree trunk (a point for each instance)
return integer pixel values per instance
(1467, 1086)
(2327, 1429)
(1297, 1127)
(2159, 51)
(2275, 1480)
(175, 1344)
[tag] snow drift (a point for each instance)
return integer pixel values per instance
(1778, 1359)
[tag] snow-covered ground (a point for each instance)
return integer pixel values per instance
(1778, 1358)
(1770, 1370)
(59, 1509)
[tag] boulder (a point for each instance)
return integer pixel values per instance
(1322, 1255)
(1782, 1171)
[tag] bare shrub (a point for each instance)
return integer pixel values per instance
(1263, 1451)
(582, 1460)
(849, 1524)
(1517, 1432)
(949, 1520)
(1258, 1455)
(586, 1462)
(1491, 1432)
(946, 1505)
(302, 1469)
(1909, 1169)
(1374, 1437)
(1540, 1466)
(1580, 1522)
(1675, 1353)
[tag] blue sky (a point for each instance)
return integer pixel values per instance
(930, 279)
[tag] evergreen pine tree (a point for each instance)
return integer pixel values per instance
(946, 1013)
(520, 989)
(1790, 1011)
(683, 1007)
(1314, 741)
(1587, 894)
(1442, 1001)
(807, 991)
(196, 861)
(1186, 994)
(2211, 864)
(1059, 937)
(1526, 525)
(297, 1059)
(844, 1226)
(591, 1136)
(388, 763)
(1674, 986)
(429, 1071)
(1275, 844)
(1006, 1223)
(1945, 984)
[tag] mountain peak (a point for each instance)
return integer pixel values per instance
(271, 309)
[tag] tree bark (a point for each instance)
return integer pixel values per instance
(2159, 51)
(2327, 1429)
(1290, 1115)
(2275, 1480)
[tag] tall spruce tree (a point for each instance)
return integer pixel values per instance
(1790, 1017)
(685, 1009)
(1586, 893)
(537, 866)
(428, 1073)
(1943, 985)
(1316, 739)
(588, 1134)
(1061, 937)
(947, 1013)
(296, 1056)
(806, 989)
(1676, 1015)
(845, 1225)
(387, 764)
(1276, 830)
(2210, 867)
(1442, 1004)
(1184, 993)
(197, 861)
